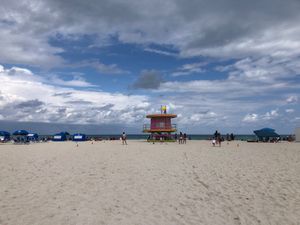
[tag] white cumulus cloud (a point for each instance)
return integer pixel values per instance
(25, 96)
(253, 117)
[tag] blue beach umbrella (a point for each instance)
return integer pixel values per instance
(4, 133)
(21, 132)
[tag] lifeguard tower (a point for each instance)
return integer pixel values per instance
(160, 127)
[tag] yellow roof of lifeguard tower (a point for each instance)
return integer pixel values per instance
(161, 115)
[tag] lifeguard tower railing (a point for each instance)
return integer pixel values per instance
(148, 129)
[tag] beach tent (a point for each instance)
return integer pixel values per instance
(4, 136)
(297, 134)
(62, 136)
(32, 137)
(265, 134)
(20, 136)
(79, 137)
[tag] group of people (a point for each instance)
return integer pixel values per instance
(182, 138)
(218, 139)
(230, 137)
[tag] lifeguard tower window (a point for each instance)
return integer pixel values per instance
(161, 124)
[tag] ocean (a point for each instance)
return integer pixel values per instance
(191, 137)
(242, 137)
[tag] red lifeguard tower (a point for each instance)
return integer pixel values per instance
(160, 128)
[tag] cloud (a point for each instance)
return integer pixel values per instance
(292, 99)
(270, 115)
(29, 104)
(35, 99)
(265, 69)
(203, 116)
(77, 81)
(160, 52)
(101, 67)
(53, 128)
(262, 51)
(229, 88)
(21, 45)
(26, 96)
(190, 68)
(79, 102)
(148, 79)
(194, 28)
(253, 117)
(63, 94)
(289, 110)
(246, 77)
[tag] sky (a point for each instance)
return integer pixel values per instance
(219, 64)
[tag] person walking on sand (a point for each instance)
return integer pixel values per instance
(124, 142)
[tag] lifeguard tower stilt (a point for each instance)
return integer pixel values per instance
(161, 127)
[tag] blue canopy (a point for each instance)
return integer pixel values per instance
(32, 136)
(62, 136)
(4, 133)
(21, 132)
(266, 133)
(79, 137)
(5, 136)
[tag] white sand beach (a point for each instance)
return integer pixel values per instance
(143, 183)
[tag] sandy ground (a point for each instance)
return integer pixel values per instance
(142, 183)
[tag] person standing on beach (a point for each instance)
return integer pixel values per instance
(216, 136)
(124, 142)
(184, 138)
(231, 137)
(213, 142)
(180, 138)
(219, 139)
